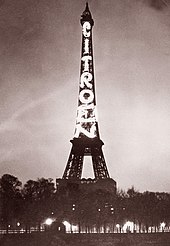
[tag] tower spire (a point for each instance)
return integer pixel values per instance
(86, 16)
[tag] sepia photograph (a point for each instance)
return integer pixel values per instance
(85, 123)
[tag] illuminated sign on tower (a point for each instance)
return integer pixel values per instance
(86, 123)
(86, 139)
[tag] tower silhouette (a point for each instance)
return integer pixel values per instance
(86, 141)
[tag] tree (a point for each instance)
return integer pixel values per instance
(134, 207)
(148, 204)
(38, 202)
(10, 188)
(121, 208)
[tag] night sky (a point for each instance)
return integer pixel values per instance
(40, 46)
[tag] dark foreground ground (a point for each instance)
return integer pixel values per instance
(51, 239)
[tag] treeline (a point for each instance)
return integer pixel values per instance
(29, 205)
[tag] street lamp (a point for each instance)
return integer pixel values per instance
(128, 226)
(118, 228)
(48, 221)
(18, 223)
(163, 226)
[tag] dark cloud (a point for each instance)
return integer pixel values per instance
(158, 4)
(2, 2)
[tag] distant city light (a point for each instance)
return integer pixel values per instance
(69, 227)
(162, 225)
(18, 223)
(48, 221)
(128, 226)
(66, 223)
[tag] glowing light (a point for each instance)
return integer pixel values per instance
(86, 29)
(48, 221)
(86, 46)
(163, 225)
(86, 113)
(128, 226)
(86, 96)
(86, 60)
(86, 77)
(69, 227)
(66, 223)
(18, 223)
(80, 129)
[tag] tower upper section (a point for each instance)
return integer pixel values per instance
(86, 16)
(86, 122)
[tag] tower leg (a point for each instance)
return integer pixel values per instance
(74, 166)
(99, 164)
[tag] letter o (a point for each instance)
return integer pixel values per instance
(85, 99)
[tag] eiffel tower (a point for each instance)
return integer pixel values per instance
(86, 141)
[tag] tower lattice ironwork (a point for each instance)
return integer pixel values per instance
(86, 141)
